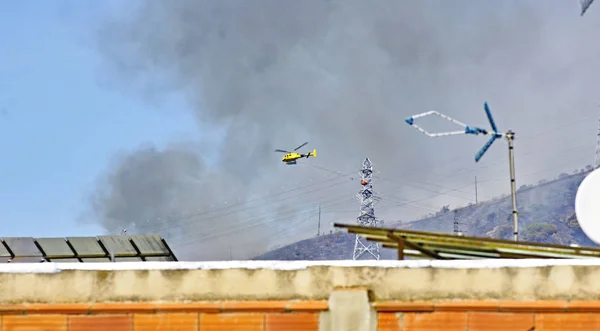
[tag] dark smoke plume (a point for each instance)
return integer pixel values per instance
(342, 75)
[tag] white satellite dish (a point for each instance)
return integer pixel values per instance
(587, 206)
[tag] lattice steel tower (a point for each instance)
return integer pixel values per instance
(367, 213)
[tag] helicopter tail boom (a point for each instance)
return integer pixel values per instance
(313, 153)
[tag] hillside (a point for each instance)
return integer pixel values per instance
(546, 214)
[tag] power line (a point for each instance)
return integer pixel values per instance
(404, 204)
(338, 176)
(367, 213)
(249, 224)
(194, 215)
(228, 208)
(256, 225)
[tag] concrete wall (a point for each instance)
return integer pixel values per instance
(336, 296)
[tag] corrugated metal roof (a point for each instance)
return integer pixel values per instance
(86, 249)
(431, 245)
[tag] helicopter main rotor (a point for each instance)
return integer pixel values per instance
(297, 148)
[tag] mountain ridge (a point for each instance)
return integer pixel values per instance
(546, 215)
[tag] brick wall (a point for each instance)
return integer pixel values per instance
(489, 315)
(242, 316)
(301, 316)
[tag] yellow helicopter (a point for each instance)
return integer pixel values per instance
(291, 157)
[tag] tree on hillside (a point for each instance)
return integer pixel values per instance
(540, 232)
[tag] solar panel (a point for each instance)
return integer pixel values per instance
(87, 249)
(61, 260)
(128, 259)
(29, 259)
(3, 251)
(159, 258)
(95, 259)
(118, 245)
(149, 245)
(23, 247)
(55, 247)
(86, 246)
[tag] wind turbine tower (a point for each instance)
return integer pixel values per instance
(597, 157)
(367, 213)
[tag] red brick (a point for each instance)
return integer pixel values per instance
(577, 306)
(480, 321)
(121, 308)
(567, 321)
(57, 308)
(254, 306)
(446, 321)
(34, 322)
(230, 322)
(388, 322)
(404, 306)
(100, 323)
(533, 306)
(468, 306)
(165, 322)
(195, 307)
(292, 322)
(307, 305)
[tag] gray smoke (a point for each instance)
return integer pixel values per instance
(342, 75)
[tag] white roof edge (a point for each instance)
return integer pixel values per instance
(55, 267)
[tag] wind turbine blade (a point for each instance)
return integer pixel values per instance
(585, 4)
(489, 116)
(485, 148)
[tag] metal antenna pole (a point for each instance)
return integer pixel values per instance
(597, 156)
(367, 213)
(513, 183)
(494, 133)
(476, 197)
(319, 224)
(456, 231)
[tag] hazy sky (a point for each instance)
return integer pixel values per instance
(84, 81)
(59, 126)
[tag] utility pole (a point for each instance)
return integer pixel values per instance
(367, 212)
(494, 133)
(456, 231)
(457, 224)
(510, 136)
(476, 200)
(597, 157)
(319, 224)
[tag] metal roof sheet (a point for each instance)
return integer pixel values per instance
(446, 246)
(86, 249)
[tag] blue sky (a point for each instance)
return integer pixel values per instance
(58, 126)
